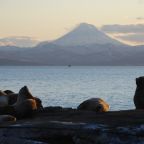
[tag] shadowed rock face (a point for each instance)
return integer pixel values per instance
(94, 104)
(139, 93)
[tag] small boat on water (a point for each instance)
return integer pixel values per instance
(69, 65)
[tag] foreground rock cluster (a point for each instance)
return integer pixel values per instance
(24, 120)
(57, 125)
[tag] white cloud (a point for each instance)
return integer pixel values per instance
(116, 28)
(140, 18)
(132, 34)
(136, 38)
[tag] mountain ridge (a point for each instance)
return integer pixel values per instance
(82, 53)
(85, 34)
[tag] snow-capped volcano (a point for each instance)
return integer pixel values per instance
(85, 34)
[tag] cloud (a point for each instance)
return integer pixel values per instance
(134, 38)
(116, 28)
(21, 41)
(130, 34)
(140, 18)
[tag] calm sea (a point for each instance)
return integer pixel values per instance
(69, 86)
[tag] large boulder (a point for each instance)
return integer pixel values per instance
(94, 104)
(139, 93)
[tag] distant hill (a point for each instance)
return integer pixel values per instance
(101, 55)
(85, 45)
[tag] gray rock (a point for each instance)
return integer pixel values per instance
(71, 133)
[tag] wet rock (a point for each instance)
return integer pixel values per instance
(14, 140)
(56, 132)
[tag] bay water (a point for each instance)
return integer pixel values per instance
(69, 86)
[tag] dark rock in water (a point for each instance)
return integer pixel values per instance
(94, 104)
(2, 93)
(9, 92)
(139, 93)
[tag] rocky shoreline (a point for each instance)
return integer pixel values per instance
(57, 125)
(23, 119)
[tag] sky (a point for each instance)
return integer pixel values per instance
(49, 19)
